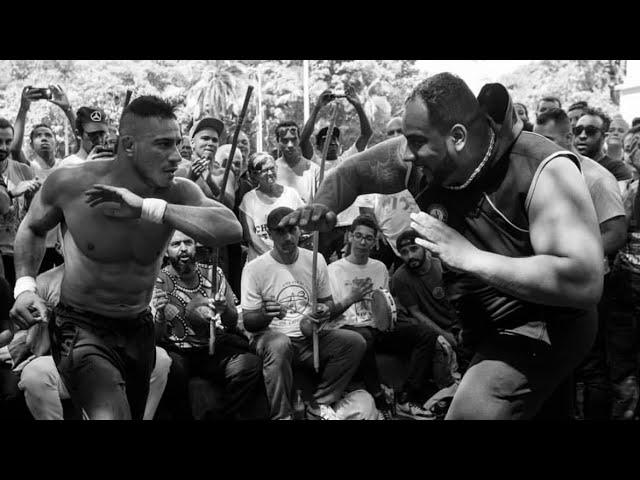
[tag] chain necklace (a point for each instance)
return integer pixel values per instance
(479, 168)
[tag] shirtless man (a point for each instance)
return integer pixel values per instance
(509, 215)
(117, 216)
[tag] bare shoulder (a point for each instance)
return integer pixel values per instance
(185, 192)
(70, 182)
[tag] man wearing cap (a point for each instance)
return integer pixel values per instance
(205, 136)
(276, 301)
(508, 214)
(92, 129)
(119, 216)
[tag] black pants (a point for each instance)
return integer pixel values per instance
(105, 363)
(12, 404)
(417, 342)
(232, 365)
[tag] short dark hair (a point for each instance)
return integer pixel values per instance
(634, 129)
(550, 99)
(526, 112)
(322, 135)
(148, 106)
(277, 214)
(408, 236)
(579, 105)
(596, 112)
(33, 130)
(4, 123)
(365, 220)
(635, 121)
(286, 123)
(557, 115)
(448, 99)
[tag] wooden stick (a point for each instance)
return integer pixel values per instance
(234, 142)
(127, 98)
(316, 238)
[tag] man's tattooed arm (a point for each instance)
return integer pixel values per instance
(379, 169)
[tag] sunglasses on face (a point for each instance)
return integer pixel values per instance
(590, 130)
(394, 132)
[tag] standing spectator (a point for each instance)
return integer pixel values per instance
(184, 302)
(547, 103)
(625, 300)
(627, 147)
(21, 187)
(589, 136)
(394, 127)
(185, 149)
(294, 170)
(523, 114)
(244, 146)
(333, 241)
(594, 372)
(614, 137)
(276, 297)
(92, 128)
(353, 280)
(259, 202)
(575, 111)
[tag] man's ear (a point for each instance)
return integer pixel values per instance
(458, 136)
(127, 143)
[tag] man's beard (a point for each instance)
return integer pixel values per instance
(183, 266)
(416, 266)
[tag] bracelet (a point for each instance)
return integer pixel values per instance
(153, 210)
(24, 284)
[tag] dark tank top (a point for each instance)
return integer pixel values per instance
(492, 214)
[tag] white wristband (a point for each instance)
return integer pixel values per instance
(153, 209)
(24, 284)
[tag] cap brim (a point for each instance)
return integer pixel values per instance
(91, 127)
(212, 123)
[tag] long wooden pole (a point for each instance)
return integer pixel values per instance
(316, 238)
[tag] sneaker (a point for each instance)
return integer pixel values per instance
(414, 410)
(322, 412)
(384, 407)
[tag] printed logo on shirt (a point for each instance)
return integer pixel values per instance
(438, 293)
(295, 298)
(262, 232)
(438, 211)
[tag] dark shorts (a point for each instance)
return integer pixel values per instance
(105, 363)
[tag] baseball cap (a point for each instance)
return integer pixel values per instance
(408, 237)
(207, 122)
(277, 214)
(92, 119)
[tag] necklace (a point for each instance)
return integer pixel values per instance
(479, 168)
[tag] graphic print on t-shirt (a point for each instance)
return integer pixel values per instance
(363, 307)
(294, 296)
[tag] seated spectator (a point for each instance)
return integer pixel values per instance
(589, 136)
(257, 204)
(353, 280)
(627, 147)
(277, 307)
(92, 128)
(184, 303)
(575, 111)
(21, 188)
(43, 387)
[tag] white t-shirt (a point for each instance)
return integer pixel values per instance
(289, 285)
(342, 273)
(71, 161)
(393, 214)
(257, 206)
(303, 177)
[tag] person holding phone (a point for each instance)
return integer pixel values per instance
(92, 129)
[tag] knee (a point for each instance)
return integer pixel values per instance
(38, 375)
(247, 365)
(276, 347)
(354, 343)
(163, 364)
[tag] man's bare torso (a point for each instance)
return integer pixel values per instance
(110, 263)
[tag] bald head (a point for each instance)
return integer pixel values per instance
(394, 127)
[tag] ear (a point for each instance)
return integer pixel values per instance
(458, 136)
(127, 143)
